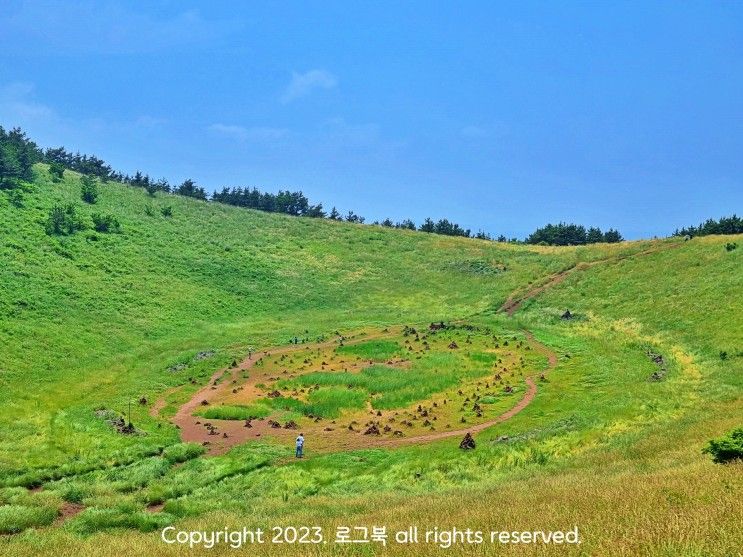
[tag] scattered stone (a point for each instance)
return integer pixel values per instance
(467, 443)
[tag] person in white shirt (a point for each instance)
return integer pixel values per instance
(300, 445)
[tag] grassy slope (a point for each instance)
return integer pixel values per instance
(87, 323)
(165, 291)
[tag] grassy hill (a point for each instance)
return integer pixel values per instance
(92, 321)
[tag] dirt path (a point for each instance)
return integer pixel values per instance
(514, 302)
(233, 432)
(531, 392)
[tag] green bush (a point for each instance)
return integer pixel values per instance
(75, 493)
(105, 223)
(56, 171)
(16, 198)
(182, 452)
(726, 448)
(63, 220)
(88, 190)
(167, 211)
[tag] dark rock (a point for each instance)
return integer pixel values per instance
(467, 443)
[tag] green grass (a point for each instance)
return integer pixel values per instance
(123, 315)
(371, 350)
(93, 321)
(229, 412)
(324, 403)
(16, 518)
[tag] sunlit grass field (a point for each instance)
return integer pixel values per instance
(92, 322)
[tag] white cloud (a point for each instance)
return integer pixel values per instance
(249, 134)
(304, 83)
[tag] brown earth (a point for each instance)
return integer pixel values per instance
(221, 435)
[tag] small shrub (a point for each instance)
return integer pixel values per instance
(105, 223)
(730, 246)
(723, 355)
(88, 190)
(151, 188)
(727, 448)
(16, 198)
(56, 171)
(74, 493)
(167, 211)
(182, 452)
(63, 220)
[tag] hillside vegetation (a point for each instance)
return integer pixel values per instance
(648, 369)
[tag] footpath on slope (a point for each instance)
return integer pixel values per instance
(514, 302)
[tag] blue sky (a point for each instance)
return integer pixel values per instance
(500, 116)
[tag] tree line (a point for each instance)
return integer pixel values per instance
(18, 154)
(564, 234)
(726, 225)
(17, 157)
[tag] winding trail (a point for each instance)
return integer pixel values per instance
(192, 427)
(514, 301)
(526, 400)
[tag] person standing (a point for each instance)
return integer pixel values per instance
(300, 445)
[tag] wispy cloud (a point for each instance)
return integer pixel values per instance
(18, 107)
(106, 27)
(303, 84)
(249, 134)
